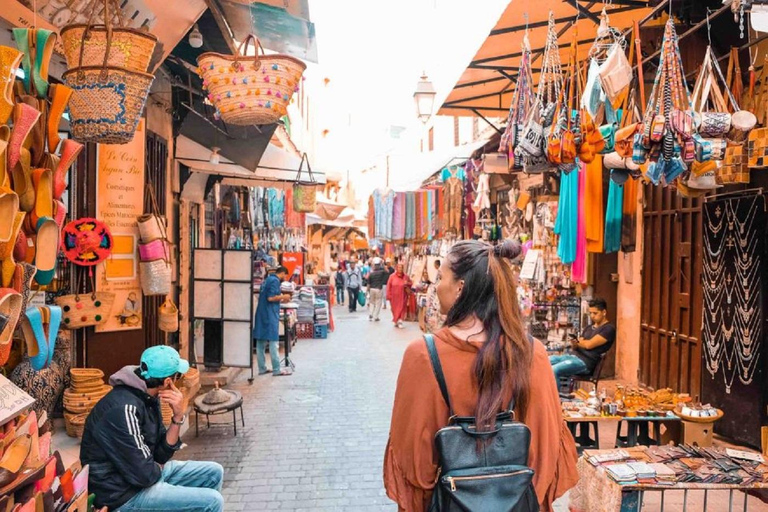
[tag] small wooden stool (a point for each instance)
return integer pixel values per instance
(215, 409)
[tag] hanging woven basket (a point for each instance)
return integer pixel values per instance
(122, 46)
(168, 316)
(250, 90)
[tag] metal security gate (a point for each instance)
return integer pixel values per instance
(670, 331)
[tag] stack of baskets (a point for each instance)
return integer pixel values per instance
(108, 75)
(154, 249)
(86, 390)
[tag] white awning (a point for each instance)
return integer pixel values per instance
(408, 172)
(277, 167)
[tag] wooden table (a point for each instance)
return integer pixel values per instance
(597, 492)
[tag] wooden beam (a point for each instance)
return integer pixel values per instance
(221, 21)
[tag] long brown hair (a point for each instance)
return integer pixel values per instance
(490, 294)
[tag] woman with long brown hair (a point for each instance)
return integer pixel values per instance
(487, 359)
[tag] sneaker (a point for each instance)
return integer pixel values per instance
(399, 324)
(378, 319)
(370, 318)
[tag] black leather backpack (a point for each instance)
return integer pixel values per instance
(492, 475)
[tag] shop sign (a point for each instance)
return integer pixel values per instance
(119, 201)
(12, 400)
(294, 261)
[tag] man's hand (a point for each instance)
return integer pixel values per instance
(175, 399)
(286, 298)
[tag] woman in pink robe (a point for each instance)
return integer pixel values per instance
(398, 286)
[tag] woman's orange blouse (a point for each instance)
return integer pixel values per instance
(410, 461)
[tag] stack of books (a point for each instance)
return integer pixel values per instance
(622, 474)
(597, 457)
(664, 474)
(644, 472)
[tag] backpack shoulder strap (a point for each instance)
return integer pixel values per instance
(437, 369)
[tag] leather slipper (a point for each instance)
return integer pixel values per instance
(34, 337)
(22, 38)
(51, 327)
(35, 141)
(10, 306)
(70, 150)
(13, 459)
(24, 118)
(7, 249)
(5, 177)
(59, 95)
(22, 182)
(45, 40)
(46, 250)
(41, 180)
(10, 59)
(9, 207)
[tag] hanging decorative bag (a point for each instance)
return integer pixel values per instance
(742, 121)
(155, 250)
(734, 169)
(155, 277)
(711, 123)
(168, 316)
(128, 48)
(757, 148)
(534, 141)
(522, 102)
(107, 101)
(86, 309)
(250, 90)
(304, 192)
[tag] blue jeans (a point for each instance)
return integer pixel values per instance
(567, 365)
(274, 354)
(340, 295)
(184, 485)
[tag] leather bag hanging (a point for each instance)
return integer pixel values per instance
(742, 121)
(304, 192)
(534, 141)
(85, 309)
(713, 118)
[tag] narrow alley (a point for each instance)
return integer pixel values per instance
(314, 440)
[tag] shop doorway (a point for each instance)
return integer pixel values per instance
(670, 329)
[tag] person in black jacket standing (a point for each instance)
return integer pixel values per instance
(129, 450)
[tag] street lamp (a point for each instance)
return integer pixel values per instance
(424, 98)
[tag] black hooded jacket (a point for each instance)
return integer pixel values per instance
(124, 441)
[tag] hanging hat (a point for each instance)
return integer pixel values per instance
(705, 181)
(86, 242)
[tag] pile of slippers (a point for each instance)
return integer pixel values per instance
(31, 477)
(34, 164)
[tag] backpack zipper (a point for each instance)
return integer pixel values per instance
(453, 479)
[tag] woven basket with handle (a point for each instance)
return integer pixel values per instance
(250, 90)
(168, 317)
(130, 48)
(107, 101)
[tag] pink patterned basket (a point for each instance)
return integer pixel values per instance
(154, 250)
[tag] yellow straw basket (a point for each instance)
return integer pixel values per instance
(250, 90)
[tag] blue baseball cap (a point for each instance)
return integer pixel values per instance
(161, 361)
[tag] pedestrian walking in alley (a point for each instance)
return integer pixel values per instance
(390, 270)
(267, 322)
(434, 319)
(489, 363)
(129, 451)
(376, 282)
(354, 283)
(340, 282)
(398, 286)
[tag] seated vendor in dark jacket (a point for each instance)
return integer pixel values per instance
(129, 450)
(596, 340)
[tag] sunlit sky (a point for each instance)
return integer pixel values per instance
(374, 53)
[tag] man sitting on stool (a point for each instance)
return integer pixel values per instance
(129, 450)
(596, 340)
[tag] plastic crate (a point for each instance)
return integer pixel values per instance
(305, 330)
(321, 332)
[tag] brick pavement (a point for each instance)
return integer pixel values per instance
(314, 441)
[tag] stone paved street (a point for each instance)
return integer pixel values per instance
(315, 440)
